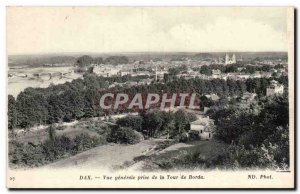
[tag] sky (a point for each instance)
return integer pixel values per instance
(145, 29)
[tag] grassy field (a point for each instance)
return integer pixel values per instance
(180, 156)
(109, 157)
(148, 155)
(143, 156)
(40, 136)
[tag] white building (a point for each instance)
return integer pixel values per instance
(229, 60)
(147, 81)
(216, 73)
(213, 97)
(275, 89)
(203, 127)
(125, 72)
(105, 70)
(248, 97)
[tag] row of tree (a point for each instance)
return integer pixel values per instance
(159, 123)
(80, 98)
(87, 60)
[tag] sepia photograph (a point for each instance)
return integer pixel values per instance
(150, 97)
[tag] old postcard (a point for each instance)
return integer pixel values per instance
(150, 97)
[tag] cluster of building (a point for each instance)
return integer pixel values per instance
(272, 62)
(275, 88)
(217, 74)
(129, 69)
(146, 81)
(203, 127)
(157, 69)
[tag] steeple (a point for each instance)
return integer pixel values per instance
(227, 59)
(233, 59)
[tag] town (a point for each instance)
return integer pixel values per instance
(212, 101)
(135, 97)
(203, 66)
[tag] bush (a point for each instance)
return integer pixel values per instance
(187, 160)
(99, 127)
(255, 157)
(184, 137)
(30, 155)
(135, 122)
(165, 144)
(124, 135)
(193, 135)
(21, 154)
(84, 141)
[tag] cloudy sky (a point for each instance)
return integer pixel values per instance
(108, 29)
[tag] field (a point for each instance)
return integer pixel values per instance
(41, 135)
(162, 159)
(110, 156)
(147, 155)
(138, 157)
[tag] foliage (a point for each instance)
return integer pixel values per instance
(12, 113)
(115, 60)
(182, 121)
(165, 144)
(80, 98)
(258, 140)
(31, 155)
(52, 132)
(135, 122)
(98, 126)
(260, 157)
(124, 135)
(84, 61)
(152, 123)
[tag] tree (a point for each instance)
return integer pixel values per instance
(31, 106)
(135, 122)
(206, 102)
(152, 122)
(168, 124)
(52, 133)
(259, 140)
(115, 60)
(84, 61)
(98, 60)
(205, 70)
(12, 113)
(181, 122)
(166, 77)
(124, 135)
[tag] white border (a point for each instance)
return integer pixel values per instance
(3, 74)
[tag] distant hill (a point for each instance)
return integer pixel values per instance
(201, 56)
(39, 60)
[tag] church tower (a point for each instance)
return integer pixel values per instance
(233, 59)
(227, 59)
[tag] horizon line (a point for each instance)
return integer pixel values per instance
(144, 52)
